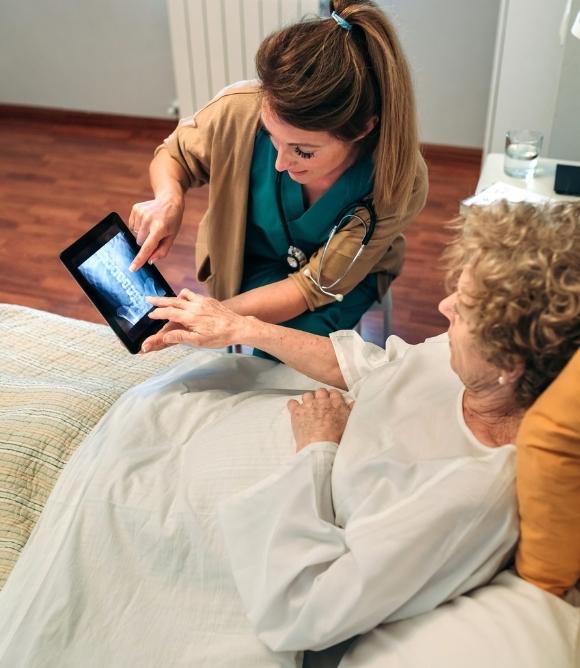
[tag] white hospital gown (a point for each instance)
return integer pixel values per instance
(410, 511)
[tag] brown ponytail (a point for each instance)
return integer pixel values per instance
(319, 76)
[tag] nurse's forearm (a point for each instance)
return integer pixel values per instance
(274, 303)
(167, 176)
(310, 354)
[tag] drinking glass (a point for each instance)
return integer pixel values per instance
(522, 149)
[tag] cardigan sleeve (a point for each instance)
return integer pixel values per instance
(216, 129)
(384, 252)
(307, 583)
(190, 145)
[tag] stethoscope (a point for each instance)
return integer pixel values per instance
(296, 258)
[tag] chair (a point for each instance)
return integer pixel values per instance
(385, 306)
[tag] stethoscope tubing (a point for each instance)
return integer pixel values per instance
(343, 218)
(363, 245)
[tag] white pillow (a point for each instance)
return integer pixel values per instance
(506, 624)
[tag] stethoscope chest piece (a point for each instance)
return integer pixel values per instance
(295, 257)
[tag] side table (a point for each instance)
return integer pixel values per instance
(542, 182)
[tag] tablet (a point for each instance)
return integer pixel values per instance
(99, 261)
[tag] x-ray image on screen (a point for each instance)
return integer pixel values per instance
(123, 290)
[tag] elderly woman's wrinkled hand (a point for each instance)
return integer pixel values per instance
(192, 319)
(322, 416)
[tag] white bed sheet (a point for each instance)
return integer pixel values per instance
(126, 566)
(507, 624)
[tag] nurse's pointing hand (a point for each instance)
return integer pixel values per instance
(192, 319)
(322, 416)
(155, 225)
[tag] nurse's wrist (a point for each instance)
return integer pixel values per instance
(172, 195)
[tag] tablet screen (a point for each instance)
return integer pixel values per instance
(100, 262)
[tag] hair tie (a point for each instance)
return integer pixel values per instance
(343, 23)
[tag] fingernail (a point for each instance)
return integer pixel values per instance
(145, 348)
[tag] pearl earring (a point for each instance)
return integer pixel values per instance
(501, 380)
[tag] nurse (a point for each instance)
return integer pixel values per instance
(326, 136)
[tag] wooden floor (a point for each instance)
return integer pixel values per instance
(62, 172)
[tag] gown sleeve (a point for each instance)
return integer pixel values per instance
(307, 584)
(357, 358)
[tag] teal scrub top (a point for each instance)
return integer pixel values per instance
(266, 243)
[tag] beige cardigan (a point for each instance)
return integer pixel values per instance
(219, 140)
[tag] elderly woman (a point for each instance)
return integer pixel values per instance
(417, 505)
(414, 507)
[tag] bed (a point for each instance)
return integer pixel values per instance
(58, 378)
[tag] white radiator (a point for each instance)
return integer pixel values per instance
(214, 42)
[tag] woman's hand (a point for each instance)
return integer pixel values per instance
(193, 319)
(155, 225)
(322, 416)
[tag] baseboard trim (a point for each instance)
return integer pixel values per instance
(436, 152)
(160, 127)
(141, 124)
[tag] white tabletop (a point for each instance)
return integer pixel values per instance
(542, 182)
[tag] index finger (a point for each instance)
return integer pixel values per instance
(178, 302)
(147, 250)
(186, 300)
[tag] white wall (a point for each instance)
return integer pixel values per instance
(115, 56)
(565, 142)
(530, 59)
(110, 56)
(450, 46)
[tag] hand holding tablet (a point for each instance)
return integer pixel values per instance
(99, 261)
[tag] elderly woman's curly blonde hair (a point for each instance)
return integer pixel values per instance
(525, 264)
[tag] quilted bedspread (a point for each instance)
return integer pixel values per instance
(58, 377)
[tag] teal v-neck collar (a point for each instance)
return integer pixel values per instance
(352, 185)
